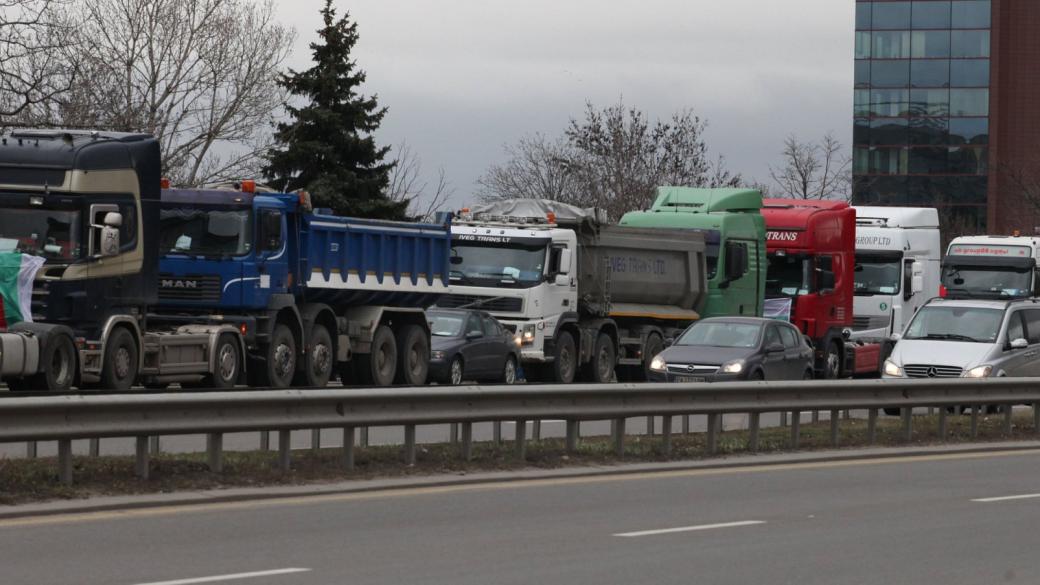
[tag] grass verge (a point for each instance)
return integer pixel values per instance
(35, 480)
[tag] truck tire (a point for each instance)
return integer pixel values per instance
(379, 368)
(279, 366)
(58, 359)
(600, 369)
(228, 364)
(413, 355)
(119, 369)
(316, 369)
(566, 359)
(832, 361)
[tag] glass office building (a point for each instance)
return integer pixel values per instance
(921, 133)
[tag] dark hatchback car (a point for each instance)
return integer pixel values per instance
(735, 348)
(471, 345)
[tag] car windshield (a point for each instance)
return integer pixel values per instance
(50, 233)
(877, 274)
(972, 324)
(1003, 282)
(206, 232)
(513, 266)
(721, 334)
(446, 324)
(788, 275)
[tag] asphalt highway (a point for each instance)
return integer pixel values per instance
(951, 519)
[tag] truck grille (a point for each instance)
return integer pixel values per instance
(192, 287)
(484, 303)
(926, 371)
(870, 322)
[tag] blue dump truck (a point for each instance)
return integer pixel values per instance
(312, 294)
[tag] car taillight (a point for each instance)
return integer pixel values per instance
(942, 291)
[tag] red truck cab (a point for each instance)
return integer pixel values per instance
(810, 246)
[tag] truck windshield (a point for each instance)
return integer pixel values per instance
(50, 233)
(788, 275)
(721, 334)
(996, 281)
(971, 324)
(206, 232)
(877, 274)
(513, 265)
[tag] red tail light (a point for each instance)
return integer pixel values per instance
(942, 291)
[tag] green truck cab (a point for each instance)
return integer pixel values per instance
(735, 234)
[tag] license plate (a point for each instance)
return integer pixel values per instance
(689, 378)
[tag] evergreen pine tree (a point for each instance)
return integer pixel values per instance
(327, 148)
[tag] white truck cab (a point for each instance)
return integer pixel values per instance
(999, 267)
(897, 267)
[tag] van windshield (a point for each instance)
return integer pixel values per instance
(972, 324)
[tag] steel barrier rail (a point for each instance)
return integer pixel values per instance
(67, 417)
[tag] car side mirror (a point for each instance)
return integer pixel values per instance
(1019, 343)
(774, 347)
(474, 335)
(562, 280)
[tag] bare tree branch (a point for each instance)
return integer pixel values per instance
(811, 170)
(31, 72)
(407, 184)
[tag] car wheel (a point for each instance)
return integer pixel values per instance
(808, 375)
(509, 372)
(757, 376)
(456, 371)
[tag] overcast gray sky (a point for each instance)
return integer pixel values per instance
(463, 77)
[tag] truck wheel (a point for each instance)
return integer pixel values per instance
(318, 361)
(228, 364)
(119, 370)
(600, 369)
(564, 365)
(654, 346)
(59, 360)
(832, 361)
(379, 367)
(278, 369)
(413, 354)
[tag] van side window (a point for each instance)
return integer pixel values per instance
(1032, 325)
(1016, 329)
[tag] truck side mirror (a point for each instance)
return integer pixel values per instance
(562, 280)
(565, 261)
(108, 235)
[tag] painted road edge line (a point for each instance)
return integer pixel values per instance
(690, 528)
(230, 577)
(1006, 498)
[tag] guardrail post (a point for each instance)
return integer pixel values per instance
(712, 439)
(536, 430)
(315, 440)
(650, 423)
(496, 432)
(453, 433)
(215, 451)
(284, 450)
(521, 439)
(835, 418)
(974, 421)
(573, 431)
(65, 461)
(95, 447)
(363, 438)
(848, 414)
(467, 441)
(619, 436)
(872, 426)
(685, 424)
(908, 425)
(141, 457)
(265, 440)
(796, 428)
(666, 435)
(1007, 419)
(409, 444)
(348, 448)
(783, 418)
(815, 416)
(30, 449)
(942, 423)
(1036, 417)
(753, 424)
(153, 445)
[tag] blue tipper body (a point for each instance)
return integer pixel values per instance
(323, 258)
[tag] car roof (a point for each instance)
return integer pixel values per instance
(743, 320)
(980, 303)
(458, 311)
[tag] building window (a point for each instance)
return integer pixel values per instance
(928, 160)
(861, 131)
(889, 73)
(969, 43)
(969, 160)
(891, 15)
(929, 102)
(863, 16)
(971, 14)
(888, 161)
(969, 102)
(929, 131)
(890, 103)
(969, 130)
(862, 45)
(891, 45)
(930, 15)
(969, 73)
(860, 160)
(930, 44)
(861, 102)
(889, 131)
(930, 73)
(862, 75)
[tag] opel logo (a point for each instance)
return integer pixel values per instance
(691, 369)
(932, 372)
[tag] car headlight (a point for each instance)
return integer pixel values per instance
(733, 367)
(527, 337)
(891, 369)
(978, 372)
(657, 364)
(437, 355)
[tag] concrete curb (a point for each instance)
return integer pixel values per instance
(132, 502)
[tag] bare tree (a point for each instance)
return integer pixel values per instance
(614, 159)
(407, 184)
(31, 72)
(814, 170)
(198, 74)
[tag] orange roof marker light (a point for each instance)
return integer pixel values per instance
(305, 200)
(248, 186)
(164, 183)
(550, 217)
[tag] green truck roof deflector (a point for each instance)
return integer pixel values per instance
(693, 200)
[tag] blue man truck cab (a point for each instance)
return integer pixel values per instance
(313, 294)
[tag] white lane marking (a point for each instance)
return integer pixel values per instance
(230, 577)
(1006, 498)
(690, 528)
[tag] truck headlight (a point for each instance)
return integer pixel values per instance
(657, 364)
(891, 369)
(527, 337)
(978, 372)
(733, 367)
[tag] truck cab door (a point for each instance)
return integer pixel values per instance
(560, 294)
(269, 272)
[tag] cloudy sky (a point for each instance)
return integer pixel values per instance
(463, 77)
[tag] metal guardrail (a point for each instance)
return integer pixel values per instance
(68, 417)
